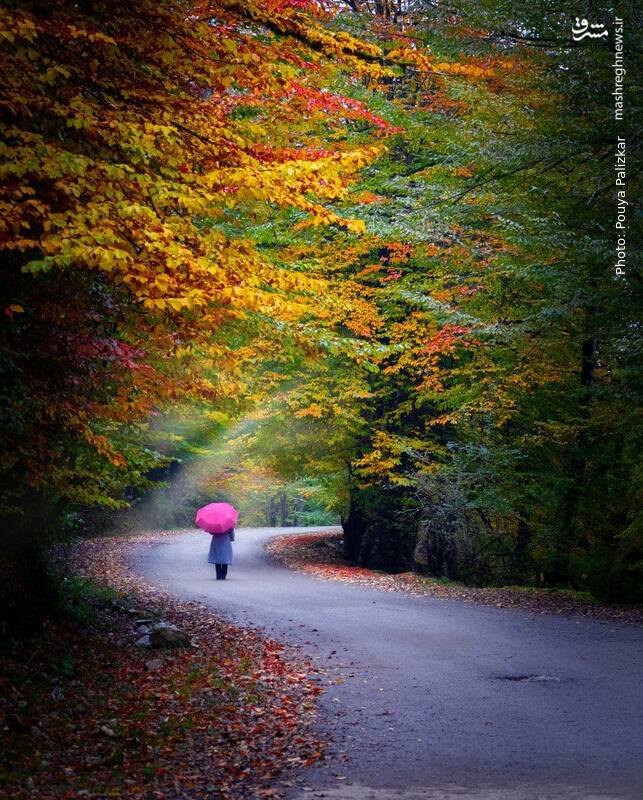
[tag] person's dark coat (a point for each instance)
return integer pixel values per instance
(221, 548)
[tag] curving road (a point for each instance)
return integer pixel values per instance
(440, 699)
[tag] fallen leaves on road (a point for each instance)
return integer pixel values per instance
(320, 554)
(88, 713)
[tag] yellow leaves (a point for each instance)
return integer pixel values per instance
(92, 36)
(323, 216)
(155, 302)
(383, 459)
(19, 243)
(218, 417)
(178, 303)
(165, 130)
(107, 258)
(388, 452)
(16, 25)
(466, 70)
(53, 73)
(288, 280)
(80, 115)
(122, 182)
(230, 47)
(191, 300)
(103, 446)
(373, 72)
(313, 410)
(285, 184)
(423, 62)
(354, 225)
(147, 156)
(128, 203)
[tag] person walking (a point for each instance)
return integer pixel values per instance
(220, 553)
(219, 519)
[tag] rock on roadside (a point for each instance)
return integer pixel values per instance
(163, 635)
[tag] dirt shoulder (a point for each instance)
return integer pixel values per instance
(88, 710)
(320, 554)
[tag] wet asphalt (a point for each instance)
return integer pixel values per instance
(431, 699)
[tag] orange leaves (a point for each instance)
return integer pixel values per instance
(125, 177)
(463, 172)
(424, 63)
(367, 197)
(398, 253)
(119, 181)
(368, 270)
(424, 346)
(103, 446)
(322, 216)
(13, 308)
(466, 70)
(313, 410)
(170, 168)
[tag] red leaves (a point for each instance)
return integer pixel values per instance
(274, 155)
(302, 551)
(106, 350)
(300, 5)
(469, 291)
(391, 275)
(396, 253)
(221, 719)
(11, 310)
(445, 340)
(320, 100)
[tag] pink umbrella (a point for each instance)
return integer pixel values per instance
(217, 517)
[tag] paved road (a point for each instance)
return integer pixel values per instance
(440, 699)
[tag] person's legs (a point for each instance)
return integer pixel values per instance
(224, 571)
(219, 569)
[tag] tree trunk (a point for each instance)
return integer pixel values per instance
(352, 524)
(559, 571)
(28, 591)
(271, 513)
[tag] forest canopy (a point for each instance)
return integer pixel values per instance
(360, 255)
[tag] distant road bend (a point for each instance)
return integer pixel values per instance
(440, 699)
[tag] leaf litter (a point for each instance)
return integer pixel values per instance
(88, 713)
(320, 554)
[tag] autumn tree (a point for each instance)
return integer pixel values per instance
(501, 398)
(136, 138)
(534, 410)
(373, 233)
